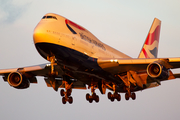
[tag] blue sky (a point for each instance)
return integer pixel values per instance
(121, 24)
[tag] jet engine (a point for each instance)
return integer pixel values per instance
(157, 71)
(18, 80)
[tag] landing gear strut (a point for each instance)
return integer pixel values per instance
(115, 95)
(92, 97)
(128, 84)
(129, 94)
(66, 94)
(52, 59)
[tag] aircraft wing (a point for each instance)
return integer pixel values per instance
(41, 70)
(121, 65)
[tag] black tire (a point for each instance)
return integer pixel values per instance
(133, 96)
(109, 95)
(87, 96)
(70, 100)
(90, 100)
(62, 92)
(64, 100)
(118, 97)
(68, 92)
(112, 99)
(94, 96)
(97, 99)
(127, 96)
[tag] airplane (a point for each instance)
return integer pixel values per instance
(79, 60)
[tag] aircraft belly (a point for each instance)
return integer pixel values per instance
(80, 65)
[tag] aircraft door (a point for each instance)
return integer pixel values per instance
(73, 41)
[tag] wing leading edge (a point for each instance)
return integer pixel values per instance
(121, 65)
(30, 73)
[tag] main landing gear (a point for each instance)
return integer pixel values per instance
(128, 86)
(92, 97)
(66, 94)
(130, 94)
(115, 95)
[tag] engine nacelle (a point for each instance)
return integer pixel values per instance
(158, 71)
(18, 80)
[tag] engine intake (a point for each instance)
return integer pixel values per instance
(157, 70)
(18, 80)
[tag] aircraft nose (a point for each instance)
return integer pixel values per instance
(39, 34)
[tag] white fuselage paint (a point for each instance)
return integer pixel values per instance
(55, 31)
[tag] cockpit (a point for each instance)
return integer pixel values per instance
(49, 17)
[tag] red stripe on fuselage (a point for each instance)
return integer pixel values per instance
(74, 24)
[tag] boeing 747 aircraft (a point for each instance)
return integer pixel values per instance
(78, 60)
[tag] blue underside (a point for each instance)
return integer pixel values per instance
(67, 56)
(79, 62)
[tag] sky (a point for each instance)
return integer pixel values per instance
(122, 24)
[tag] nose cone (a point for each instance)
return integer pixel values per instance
(39, 34)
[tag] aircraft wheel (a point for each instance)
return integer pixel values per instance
(97, 98)
(87, 96)
(118, 97)
(94, 96)
(68, 92)
(90, 100)
(133, 96)
(109, 95)
(127, 96)
(62, 92)
(112, 99)
(70, 100)
(64, 100)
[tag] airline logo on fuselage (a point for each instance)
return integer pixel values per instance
(84, 37)
(90, 40)
(68, 22)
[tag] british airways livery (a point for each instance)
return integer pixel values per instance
(79, 60)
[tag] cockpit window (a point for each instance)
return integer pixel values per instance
(49, 17)
(44, 17)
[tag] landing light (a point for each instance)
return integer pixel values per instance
(48, 65)
(115, 60)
